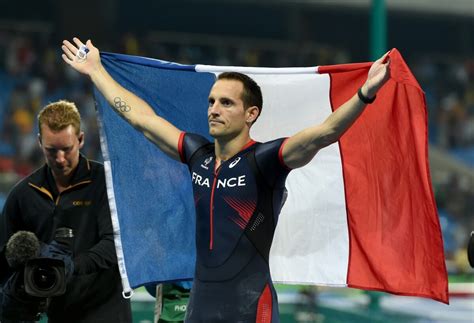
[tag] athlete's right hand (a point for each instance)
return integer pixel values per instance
(86, 66)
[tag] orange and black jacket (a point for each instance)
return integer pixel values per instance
(35, 205)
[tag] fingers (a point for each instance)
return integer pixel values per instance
(78, 42)
(66, 59)
(386, 58)
(67, 55)
(69, 49)
(70, 46)
(76, 56)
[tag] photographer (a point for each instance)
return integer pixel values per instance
(69, 191)
(41, 271)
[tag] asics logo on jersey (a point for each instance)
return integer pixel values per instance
(234, 162)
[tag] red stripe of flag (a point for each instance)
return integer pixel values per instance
(395, 236)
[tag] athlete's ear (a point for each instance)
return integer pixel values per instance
(39, 140)
(252, 113)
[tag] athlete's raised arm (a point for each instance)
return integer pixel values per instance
(131, 107)
(303, 146)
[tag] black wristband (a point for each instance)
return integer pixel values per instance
(365, 99)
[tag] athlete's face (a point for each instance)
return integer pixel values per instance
(226, 113)
(61, 149)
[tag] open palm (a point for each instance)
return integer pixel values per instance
(87, 66)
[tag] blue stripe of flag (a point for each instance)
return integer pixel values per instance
(153, 193)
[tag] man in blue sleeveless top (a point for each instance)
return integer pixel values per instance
(239, 184)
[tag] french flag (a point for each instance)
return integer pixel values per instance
(361, 214)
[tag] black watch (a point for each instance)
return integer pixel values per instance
(365, 99)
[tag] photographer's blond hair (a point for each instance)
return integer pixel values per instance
(59, 115)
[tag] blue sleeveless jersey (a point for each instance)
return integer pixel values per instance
(237, 207)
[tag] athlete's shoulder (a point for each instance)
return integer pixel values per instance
(195, 138)
(270, 150)
(191, 143)
(269, 160)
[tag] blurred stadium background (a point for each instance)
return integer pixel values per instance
(435, 37)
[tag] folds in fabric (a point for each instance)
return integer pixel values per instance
(361, 214)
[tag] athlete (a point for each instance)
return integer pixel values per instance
(239, 184)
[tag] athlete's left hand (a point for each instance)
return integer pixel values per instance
(378, 74)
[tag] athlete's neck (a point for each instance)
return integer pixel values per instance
(226, 149)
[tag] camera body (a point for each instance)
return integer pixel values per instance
(41, 272)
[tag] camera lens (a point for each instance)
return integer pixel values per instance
(45, 277)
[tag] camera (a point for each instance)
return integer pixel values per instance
(41, 272)
(45, 277)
